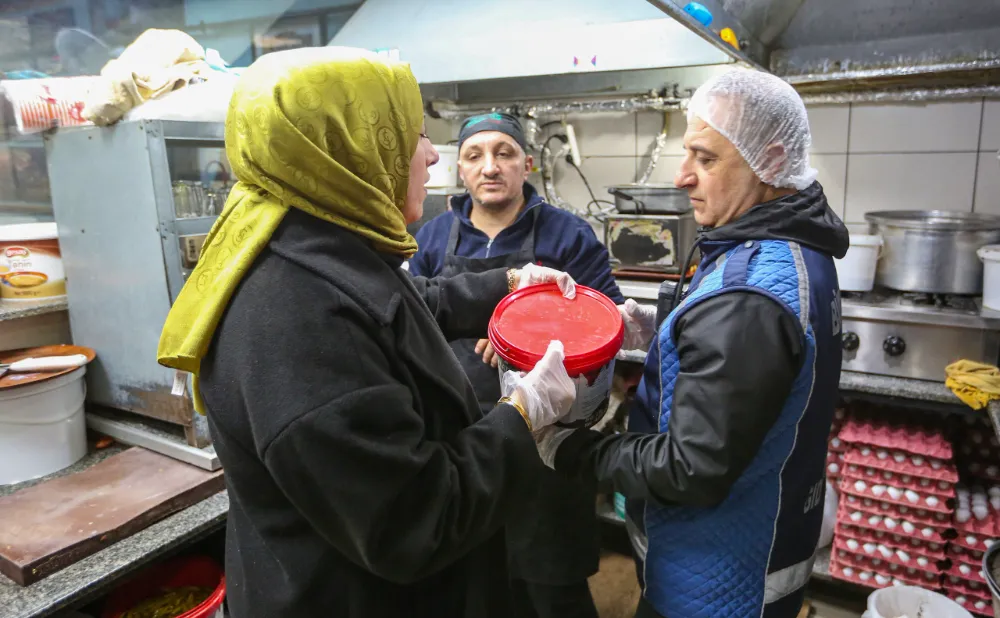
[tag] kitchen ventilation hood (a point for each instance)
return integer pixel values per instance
(455, 41)
(861, 49)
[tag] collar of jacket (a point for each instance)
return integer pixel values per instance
(803, 217)
(344, 259)
(461, 206)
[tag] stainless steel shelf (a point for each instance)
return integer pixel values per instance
(193, 225)
(178, 130)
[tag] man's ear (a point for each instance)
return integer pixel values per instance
(774, 160)
(529, 163)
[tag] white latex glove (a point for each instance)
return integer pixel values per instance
(547, 440)
(533, 274)
(640, 325)
(546, 392)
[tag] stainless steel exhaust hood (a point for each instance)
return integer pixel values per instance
(456, 41)
(926, 48)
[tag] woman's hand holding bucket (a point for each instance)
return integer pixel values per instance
(546, 392)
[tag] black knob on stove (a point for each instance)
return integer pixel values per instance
(893, 345)
(850, 341)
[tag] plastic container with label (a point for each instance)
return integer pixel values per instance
(589, 326)
(990, 255)
(444, 173)
(856, 270)
(31, 265)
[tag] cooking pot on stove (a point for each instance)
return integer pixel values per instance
(932, 251)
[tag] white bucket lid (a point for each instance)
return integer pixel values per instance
(866, 240)
(989, 253)
(21, 232)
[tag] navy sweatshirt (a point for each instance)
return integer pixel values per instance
(564, 241)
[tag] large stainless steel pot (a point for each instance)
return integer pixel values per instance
(650, 199)
(932, 251)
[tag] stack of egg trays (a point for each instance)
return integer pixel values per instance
(897, 486)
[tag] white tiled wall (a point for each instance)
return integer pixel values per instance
(869, 156)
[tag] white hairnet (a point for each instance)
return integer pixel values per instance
(764, 118)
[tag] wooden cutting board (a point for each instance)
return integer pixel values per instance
(49, 526)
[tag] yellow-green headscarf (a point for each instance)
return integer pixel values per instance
(329, 131)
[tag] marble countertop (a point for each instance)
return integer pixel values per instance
(27, 309)
(100, 572)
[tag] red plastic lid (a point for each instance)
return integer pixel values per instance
(589, 326)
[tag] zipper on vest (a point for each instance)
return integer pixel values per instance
(489, 243)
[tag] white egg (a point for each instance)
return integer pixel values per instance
(935, 464)
(980, 605)
(865, 575)
(908, 527)
(890, 523)
(964, 569)
(899, 457)
(878, 490)
(917, 460)
(875, 520)
(856, 516)
(835, 443)
(902, 555)
(870, 548)
(895, 493)
(885, 551)
(903, 509)
(869, 472)
(980, 511)
(971, 540)
(912, 496)
(866, 451)
(943, 484)
(882, 580)
(848, 571)
(962, 515)
(887, 475)
(931, 501)
(905, 478)
(882, 453)
(927, 532)
(925, 482)
(833, 468)
(860, 486)
(961, 600)
(853, 545)
(922, 561)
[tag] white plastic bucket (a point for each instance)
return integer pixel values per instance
(42, 427)
(912, 601)
(856, 271)
(444, 173)
(990, 255)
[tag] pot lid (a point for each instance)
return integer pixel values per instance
(589, 326)
(938, 220)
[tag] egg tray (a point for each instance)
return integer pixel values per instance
(972, 557)
(834, 463)
(836, 445)
(974, 605)
(975, 542)
(939, 505)
(912, 545)
(986, 527)
(917, 517)
(943, 490)
(889, 555)
(966, 587)
(910, 438)
(967, 572)
(988, 473)
(876, 523)
(928, 468)
(911, 575)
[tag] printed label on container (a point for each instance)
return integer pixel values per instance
(31, 270)
(590, 397)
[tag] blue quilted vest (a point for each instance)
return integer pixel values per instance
(752, 554)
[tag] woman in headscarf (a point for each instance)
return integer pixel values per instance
(363, 479)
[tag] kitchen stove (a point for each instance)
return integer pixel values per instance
(915, 335)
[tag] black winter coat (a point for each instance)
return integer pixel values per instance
(363, 479)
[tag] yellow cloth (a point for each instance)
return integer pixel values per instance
(330, 131)
(976, 384)
(157, 62)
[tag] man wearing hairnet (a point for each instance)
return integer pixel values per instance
(724, 462)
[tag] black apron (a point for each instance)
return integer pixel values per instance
(554, 539)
